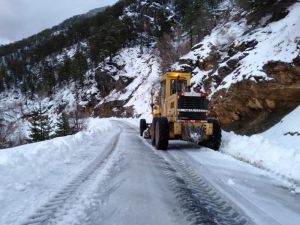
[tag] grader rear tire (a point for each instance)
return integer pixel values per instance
(153, 126)
(143, 126)
(162, 134)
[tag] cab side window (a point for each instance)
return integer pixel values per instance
(181, 85)
(163, 90)
(173, 86)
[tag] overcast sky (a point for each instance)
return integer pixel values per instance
(22, 18)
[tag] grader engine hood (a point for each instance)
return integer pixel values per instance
(192, 106)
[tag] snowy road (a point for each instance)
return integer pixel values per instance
(128, 182)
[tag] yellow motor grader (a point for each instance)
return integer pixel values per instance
(180, 114)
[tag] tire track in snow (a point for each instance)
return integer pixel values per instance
(226, 190)
(49, 210)
(201, 202)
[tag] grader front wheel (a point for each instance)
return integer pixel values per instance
(214, 141)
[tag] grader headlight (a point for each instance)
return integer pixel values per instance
(208, 129)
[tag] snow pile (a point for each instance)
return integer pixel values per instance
(277, 41)
(277, 149)
(34, 158)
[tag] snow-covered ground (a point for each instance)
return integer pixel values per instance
(263, 196)
(258, 168)
(32, 173)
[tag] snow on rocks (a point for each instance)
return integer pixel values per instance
(143, 66)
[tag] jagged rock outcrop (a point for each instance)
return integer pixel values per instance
(250, 107)
(106, 83)
(113, 109)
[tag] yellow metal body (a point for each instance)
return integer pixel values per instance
(169, 100)
(167, 106)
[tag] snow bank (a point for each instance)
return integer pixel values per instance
(31, 173)
(32, 159)
(277, 149)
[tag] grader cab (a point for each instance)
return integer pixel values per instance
(181, 114)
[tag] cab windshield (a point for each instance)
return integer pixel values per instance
(178, 85)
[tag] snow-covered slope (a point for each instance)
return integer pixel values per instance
(132, 74)
(142, 66)
(276, 41)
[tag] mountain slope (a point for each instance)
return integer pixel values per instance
(107, 71)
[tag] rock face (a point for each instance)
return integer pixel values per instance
(114, 108)
(106, 83)
(251, 107)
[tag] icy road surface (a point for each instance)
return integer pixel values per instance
(128, 182)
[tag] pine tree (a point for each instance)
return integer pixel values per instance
(17, 69)
(2, 77)
(48, 76)
(63, 126)
(94, 49)
(79, 67)
(40, 126)
(64, 70)
(113, 39)
(198, 17)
